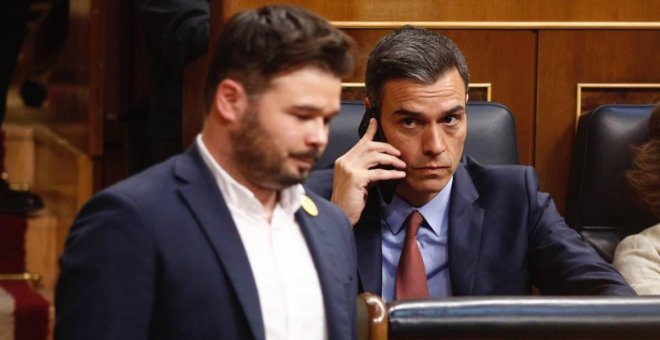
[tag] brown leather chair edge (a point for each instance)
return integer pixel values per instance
(372, 317)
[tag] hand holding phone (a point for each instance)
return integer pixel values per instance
(386, 188)
(361, 167)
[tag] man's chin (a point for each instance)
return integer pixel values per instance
(304, 173)
(292, 178)
(287, 176)
(296, 172)
(429, 186)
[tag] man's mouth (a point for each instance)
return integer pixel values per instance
(309, 157)
(432, 167)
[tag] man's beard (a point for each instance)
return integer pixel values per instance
(260, 161)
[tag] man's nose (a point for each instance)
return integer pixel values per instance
(434, 141)
(317, 134)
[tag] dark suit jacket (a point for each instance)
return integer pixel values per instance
(504, 236)
(158, 256)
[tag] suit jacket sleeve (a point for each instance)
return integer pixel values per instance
(106, 285)
(561, 262)
(637, 257)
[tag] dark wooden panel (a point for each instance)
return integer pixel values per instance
(479, 93)
(567, 58)
(194, 78)
(474, 10)
(592, 96)
(194, 109)
(74, 85)
(507, 60)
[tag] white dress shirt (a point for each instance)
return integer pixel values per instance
(289, 290)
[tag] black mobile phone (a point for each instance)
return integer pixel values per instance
(387, 188)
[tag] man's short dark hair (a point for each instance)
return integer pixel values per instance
(412, 53)
(255, 45)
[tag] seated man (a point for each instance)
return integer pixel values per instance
(485, 230)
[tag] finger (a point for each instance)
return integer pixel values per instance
(368, 155)
(371, 130)
(375, 159)
(376, 175)
(382, 147)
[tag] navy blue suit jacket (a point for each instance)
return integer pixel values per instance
(504, 237)
(158, 256)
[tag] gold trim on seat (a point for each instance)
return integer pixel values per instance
(31, 277)
(372, 316)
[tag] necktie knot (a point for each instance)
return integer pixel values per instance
(415, 220)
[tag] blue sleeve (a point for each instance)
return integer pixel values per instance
(561, 262)
(107, 279)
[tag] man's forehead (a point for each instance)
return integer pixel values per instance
(451, 79)
(407, 94)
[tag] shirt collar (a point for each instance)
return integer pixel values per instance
(435, 211)
(237, 195)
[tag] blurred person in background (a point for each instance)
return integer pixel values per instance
(638, 256)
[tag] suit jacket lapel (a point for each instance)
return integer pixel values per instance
(368, 242)
(465, 229)
(199, 191)
(326, 260)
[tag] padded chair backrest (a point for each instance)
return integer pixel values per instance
(600, 204)
(491, 136)
(343, 132)
(526, 318)
(523, 317)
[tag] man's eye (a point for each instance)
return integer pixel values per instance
(301, 116)
(408, 122)
(451, 120)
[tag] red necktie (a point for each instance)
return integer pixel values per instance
(410, 274)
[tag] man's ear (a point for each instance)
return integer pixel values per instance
(230, 100)
(367, 103)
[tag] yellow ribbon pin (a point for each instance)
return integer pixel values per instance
(309, 206)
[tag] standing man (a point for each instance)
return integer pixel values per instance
(473, 229)
(222, 242)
